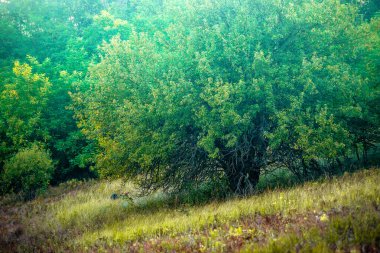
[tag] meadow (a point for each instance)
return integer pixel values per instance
(247, 122)
(337, 214)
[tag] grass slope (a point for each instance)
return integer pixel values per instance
(332, 215)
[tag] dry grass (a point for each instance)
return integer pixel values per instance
(85, 218)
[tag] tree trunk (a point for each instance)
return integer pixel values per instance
(243, 181)
(243, 163)
(365, 153)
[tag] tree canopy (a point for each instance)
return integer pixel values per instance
(230, 88)
(172, 93)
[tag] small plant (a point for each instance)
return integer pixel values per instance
(29, 171)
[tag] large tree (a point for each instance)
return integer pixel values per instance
(226, 88)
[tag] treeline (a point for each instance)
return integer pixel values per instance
(178, 93)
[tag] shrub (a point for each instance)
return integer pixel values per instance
(29, 171)
(213, 189)
(278, 178)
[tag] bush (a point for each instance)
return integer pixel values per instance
(29, 172)
(278, 178)
(211, 190)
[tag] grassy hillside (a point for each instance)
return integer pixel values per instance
(338, 214)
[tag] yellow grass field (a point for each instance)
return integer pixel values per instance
(340, 214)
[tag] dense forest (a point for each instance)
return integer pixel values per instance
(174, 94)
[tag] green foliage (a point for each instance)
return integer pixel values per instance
(33, 108)
(53, 32)
(234, 86)
(29, 171)
(42, 28)
(276, 179)
(23, 104)
(103, 28)
(212, 190)
(171, 93)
